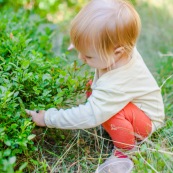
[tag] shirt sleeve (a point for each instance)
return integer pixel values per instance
(101, 106)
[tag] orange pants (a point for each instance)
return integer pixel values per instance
(127, 126)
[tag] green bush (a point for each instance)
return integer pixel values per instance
(60, 8)
(30, 77)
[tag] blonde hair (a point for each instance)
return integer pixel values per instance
(105, 25)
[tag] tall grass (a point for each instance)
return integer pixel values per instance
(156, 36)
(155, 45)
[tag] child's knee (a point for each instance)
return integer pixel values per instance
(121, 133)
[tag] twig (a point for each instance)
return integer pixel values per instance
(154, 150)
(166, 81)
(163, 55)
(148, 164)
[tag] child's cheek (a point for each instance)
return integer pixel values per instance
(81, 57)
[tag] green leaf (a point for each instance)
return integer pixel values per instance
(23, 166)
(21, 104)
(8, 142)
(16, 94)
(59, 100)
(62, 137)
(25, 64)
(3, 89)
(28, 41)
(143, 148)
(12, 160)
(31, 136)
(1, 130)
(46, 77)
(7, 152)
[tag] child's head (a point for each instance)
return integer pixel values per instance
(104, 26)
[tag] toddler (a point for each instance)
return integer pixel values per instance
(125, 98)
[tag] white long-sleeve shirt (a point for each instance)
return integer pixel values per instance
(111, 92)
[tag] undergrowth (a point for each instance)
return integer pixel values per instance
(32, 78)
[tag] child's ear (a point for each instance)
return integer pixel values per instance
(119, 51)
(71, 46)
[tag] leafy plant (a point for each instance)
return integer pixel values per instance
(31, 77)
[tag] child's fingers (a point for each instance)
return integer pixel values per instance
(30, 112)
(37, 117)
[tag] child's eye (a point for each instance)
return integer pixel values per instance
(88, 57)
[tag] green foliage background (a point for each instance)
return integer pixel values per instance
(31, 77)
(34, 75)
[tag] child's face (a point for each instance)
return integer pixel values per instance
(93, 60)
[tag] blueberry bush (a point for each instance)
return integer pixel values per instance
(30, 77)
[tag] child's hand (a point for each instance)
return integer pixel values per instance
(37, 117)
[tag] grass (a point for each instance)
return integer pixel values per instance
(155, 45)
(156, 36)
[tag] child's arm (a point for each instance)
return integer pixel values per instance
(100, 107)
